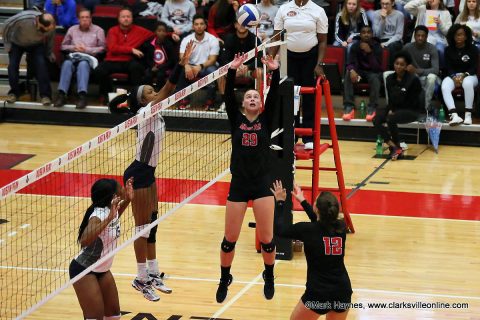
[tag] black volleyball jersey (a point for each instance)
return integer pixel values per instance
(324, 251)
(250, 140)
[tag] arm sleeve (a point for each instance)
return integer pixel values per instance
(187, 27)
(211, 22)
(413, 6)
(449, 63)
(353, 56)
(67, 42)
(6, 35)
(229, 96)
(434, 68)
(473, 64)
(309, 211)
(378, 24)
(68, 16)
(337, 28)
(271, 101)
(445, 21)
(281, 229)
(399, 24)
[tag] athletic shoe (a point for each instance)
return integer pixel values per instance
(370, 114)
(455, 119)
(209, 106)
(222, 289)
(223, 108)
(348, 113)
(395, 153)
(11, 98)
(308, 146)
(468, 118)
(404, 146)
(268, 287)
(157, 283)
(146, 289)
(46, 101)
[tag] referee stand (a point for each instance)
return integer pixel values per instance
(322, 86)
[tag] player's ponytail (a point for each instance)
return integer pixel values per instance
(328, 208)
(102, 193)
(134, 98)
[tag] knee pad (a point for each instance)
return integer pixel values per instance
(152, 237)
(139, 229)
(112, 317)
(227, 246)
(268, 247)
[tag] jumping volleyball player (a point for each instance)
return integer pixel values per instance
(250, 130)
(145, 204)
(328, 289)
(97, 292)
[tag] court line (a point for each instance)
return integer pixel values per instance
(256, 282)
(407, 217)
(364, 181)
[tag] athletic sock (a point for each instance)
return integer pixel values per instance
(152, 266)
(142, 272)
(225, 272)
(269, 270)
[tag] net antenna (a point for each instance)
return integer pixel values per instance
(44, 207)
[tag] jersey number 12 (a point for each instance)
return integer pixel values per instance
(333, 246)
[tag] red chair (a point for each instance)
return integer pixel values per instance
(334, 68)
(106, 10)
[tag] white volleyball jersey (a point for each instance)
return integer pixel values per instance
(105, 243)
(150, 136)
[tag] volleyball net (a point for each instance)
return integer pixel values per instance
(44, 208)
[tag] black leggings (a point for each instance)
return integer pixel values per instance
(391, 131)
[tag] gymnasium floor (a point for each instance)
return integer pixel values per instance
(416, 241)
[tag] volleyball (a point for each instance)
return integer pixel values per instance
(247, 15)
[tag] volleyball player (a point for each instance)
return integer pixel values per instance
(97, 292)
(328, 289)
(145, 204)
(250, 130)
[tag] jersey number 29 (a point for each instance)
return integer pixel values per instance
(333, 246)
(249, 139)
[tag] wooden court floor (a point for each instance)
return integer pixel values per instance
(416, 241)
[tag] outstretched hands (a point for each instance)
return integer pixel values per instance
(270, 62)
(238, 60)
(129, 189)
(279, 192)
(188, 52)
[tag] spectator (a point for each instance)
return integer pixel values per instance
(160, 56)
(348, 23)
(443, 22)
(424, 62)
(364, 62)
(31, 32)
(268, 10)
(470, 16)
(461, 60)
(240, 42)
(89, 40)
(64, 11)
(388, 26)
(307, 26)
(203, 61)
(404, 104)
(178, 15)
(123, 54)
(221, 17)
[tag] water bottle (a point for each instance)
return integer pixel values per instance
(363, 110)
(441, 114)
(379, 146)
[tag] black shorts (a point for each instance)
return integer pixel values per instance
(243, 190)
(143, 174)
(76, 268)
(323, 303)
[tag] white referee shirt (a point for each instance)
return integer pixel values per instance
(155, 125)
(209, 46)
(302, 24)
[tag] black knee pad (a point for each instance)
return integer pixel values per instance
(152, 238)
(268, 247)
(227, 246)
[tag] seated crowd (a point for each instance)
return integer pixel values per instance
(443, 56)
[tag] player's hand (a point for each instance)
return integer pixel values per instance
(297, 193)
(114, 207)
(271, 63)
(175, 37)
(137, 53)
(129, 189)
(238, 60)
(186, 55)
(279, 192)
(189, 72)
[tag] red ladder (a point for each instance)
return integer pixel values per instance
(320, 148)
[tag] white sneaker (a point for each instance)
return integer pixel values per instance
(157, 283)
(404, 146)
(455, 119)
(146, 289)
(308, 146)
(468, 118)
(222, 108)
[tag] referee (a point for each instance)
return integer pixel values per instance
(306, 25)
